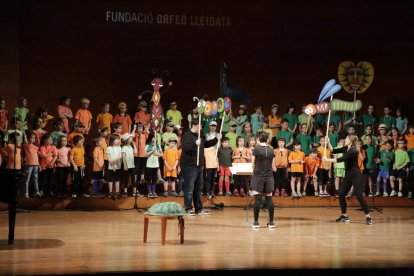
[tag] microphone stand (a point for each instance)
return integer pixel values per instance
(137, 176)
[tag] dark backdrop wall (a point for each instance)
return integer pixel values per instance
(279, 51)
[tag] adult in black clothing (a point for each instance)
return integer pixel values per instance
(353, 176)
(263, 160)
(193, 173)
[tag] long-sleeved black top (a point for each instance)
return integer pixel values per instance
(350, 157)
(189, 149)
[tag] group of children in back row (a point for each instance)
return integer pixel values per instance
(129, 153)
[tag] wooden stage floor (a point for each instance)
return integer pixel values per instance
(82, 242)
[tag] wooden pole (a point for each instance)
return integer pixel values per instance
(327, 129)
(199, 133)
(221, 129)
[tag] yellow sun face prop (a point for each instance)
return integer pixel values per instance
(355, 77)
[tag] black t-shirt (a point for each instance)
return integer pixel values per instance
(350, 157)
(264, 156)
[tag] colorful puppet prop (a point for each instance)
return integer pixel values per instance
(156, 108)
(334, 105)
(355, 78)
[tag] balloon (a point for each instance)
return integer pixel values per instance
(220, 105)
(201, 106)
(227, 104)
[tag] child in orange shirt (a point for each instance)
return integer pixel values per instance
(84, 115)
(361, 158)
(240, 155)
(13, 154)
(98, 166)
(296, 160)
(282, 162)
(123, 118)
(77, 131)
(77, 159)
(410, 137)
(31, 166)
(48, 156)
(104, 119)
(171, 159)
(38, 131)
(312, 163)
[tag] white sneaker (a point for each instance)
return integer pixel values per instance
(26, 196)
(294, 194)
(299, 194)
(400, 194)
(393, 193)
(377, 194)
(74, 195)
(385, 194)
(410, 195)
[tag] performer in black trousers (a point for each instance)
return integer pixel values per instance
(353, 176)
(263, 159)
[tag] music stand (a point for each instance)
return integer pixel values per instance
(373, 207)
(245, 169)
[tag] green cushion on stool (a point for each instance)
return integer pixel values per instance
(166, 209)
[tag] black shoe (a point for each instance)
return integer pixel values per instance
(368, 220)
(255, 225)
(270, 225)
(343, 218)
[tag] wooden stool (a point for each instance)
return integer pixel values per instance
(164, 226)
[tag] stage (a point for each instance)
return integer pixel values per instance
(81, 242)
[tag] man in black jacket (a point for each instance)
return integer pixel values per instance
(193, 173)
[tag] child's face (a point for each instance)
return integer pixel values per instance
(370, 109)
(63, 141)
(38, 123)
(24, 102)
(85, 105)
(322, 141)
(281, 144)
(232, 129)
(411, 130)
(172, 145)
(359, 145)
(118, 130)
(291, 109)
(247, 128)
(351, 130)
(398, 113)
(79, 143)
(368, 140)
(117, 142)
(313, 155)
(298, 147)
(105, 108)
(104, 133)
(388, 146)
(174, 107)
(259, 110)
(99, 143)
(386, 110)
(67, 102)
(48, 141)
(212, 128)
(401, 144)
(240, 142)
(341, 142)
(241, 111)
(303, 108)
(225, 144)
(78, 129)
(368, 130)
(394, 132)
(252, 142)
(265, 125)
(319, 132)
(382, 131)
(32, 139)
(304, 128)
(2, 104)
(180, 132)
(59, 127)
(285, 126)
(122, 110)
(331, 128)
